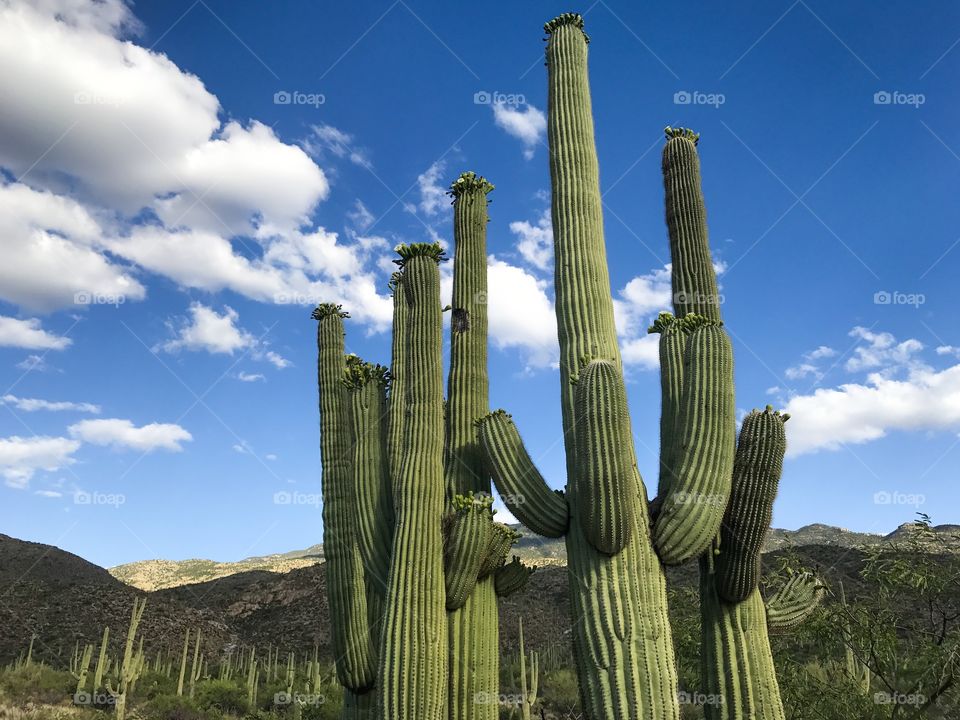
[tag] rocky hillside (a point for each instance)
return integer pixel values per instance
(152, 575)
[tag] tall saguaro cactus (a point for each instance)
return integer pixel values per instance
(413, 662)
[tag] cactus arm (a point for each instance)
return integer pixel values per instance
(345, 588)
(605, 469)
(511, 577)
(756, 477)
(792, 604)
(366, 385)
(673, 338)
(692, 510)
(502, 538)
(622, 645)
(521, 486)
(694, 280)
(468, 537)
(398, 353)
(413, 657)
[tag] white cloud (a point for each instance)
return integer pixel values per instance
(328, 140)
(881, 351)
(21, 457)
(640, 300)
(277, 360)
(535, 242)
(270, 456)
(211, 332)
(528, 125)
(249, 377)
(124, 434)
(29, 335)
(433, 195)
(821, 352)
(798, 372)
(643, 352)
(520, 313)
(49, 493)
(34, 363)
(857, 413)
(34, 404)
(51, 244)
(360, 217)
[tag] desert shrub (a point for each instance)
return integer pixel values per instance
(172, 707)
(37, 683)
(222, 695)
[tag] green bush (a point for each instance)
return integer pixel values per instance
(222, 695)
(38, 684)
(168, 707)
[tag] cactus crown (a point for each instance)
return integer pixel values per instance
(408, 252)
(471, 500)
(358, 373)
(489, 416)
(327, 309)
(687, 323)
(575, 19)
(768, 410)
(469, 182)
(394, 282)
(679, 132)
(507, 533)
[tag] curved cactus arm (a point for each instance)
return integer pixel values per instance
(605, 468)
(502, 538)
(693, 507)
(792, 604)
(521, 486)
(756, 477)
(356, 666)
(511, 577)
(466, 545)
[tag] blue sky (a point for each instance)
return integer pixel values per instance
(182, 180)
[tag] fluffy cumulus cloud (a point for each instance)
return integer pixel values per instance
(34, 404)
(118, 433)
(810, 364)
(120, 131)
(207, 330)
(856, 413)
(433, 194)
(528, 124)
(29, 334)
(21, 458)
(637, 304)
(521, 314)
(535, 241)
(881, 350)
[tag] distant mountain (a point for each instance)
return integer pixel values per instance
(152, 575)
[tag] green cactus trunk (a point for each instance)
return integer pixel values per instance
(353, 652)
(622, 639)
(398, 375)
(413, 657)
(738, 675)
(473, 626)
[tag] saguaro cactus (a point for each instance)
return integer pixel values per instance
(413, 661)
(128, 671)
